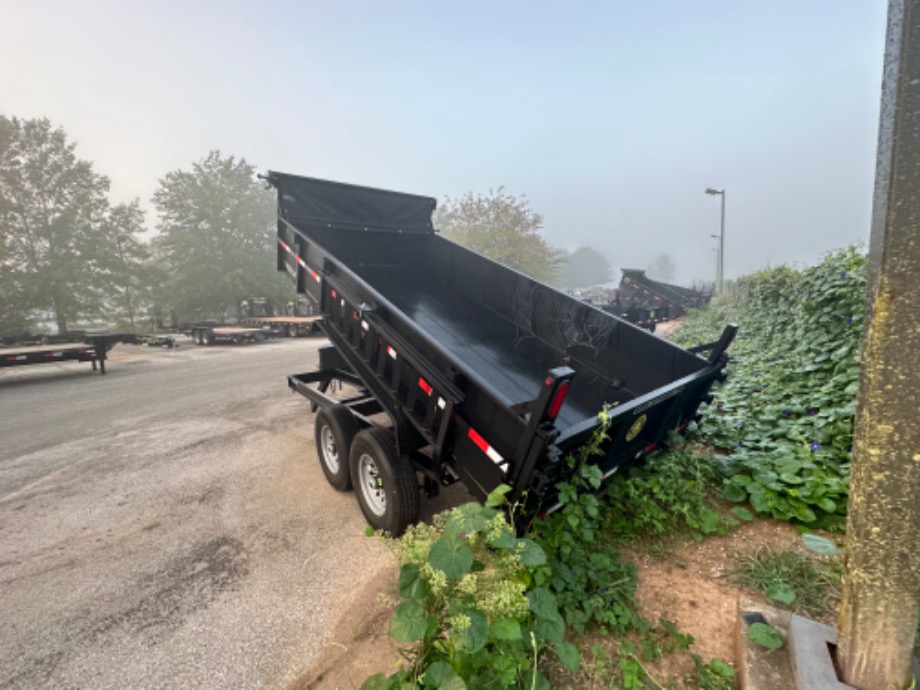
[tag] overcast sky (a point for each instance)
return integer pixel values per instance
(611, 117)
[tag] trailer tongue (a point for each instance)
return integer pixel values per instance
(483, 374)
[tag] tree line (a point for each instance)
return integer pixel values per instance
(69, 256)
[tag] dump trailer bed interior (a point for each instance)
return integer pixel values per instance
(507, 329)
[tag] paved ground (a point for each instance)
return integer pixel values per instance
(167, 525)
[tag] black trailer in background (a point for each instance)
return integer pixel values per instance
(92, 349)
(483, 374)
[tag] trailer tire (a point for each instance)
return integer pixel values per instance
(199, 338)
(292, 330)
(334, 430)
(385, 484)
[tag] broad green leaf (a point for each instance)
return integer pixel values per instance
(552, 629)
(409, 622)
(721, 669)
(506, 669)
(451, 554)
(497, 497)
(477, 635)
(543, 603)
(532, 554)
(820, 545)
(765, 635)
(506, 629)
(411, 584)
(505, 540)
(781, 591)
(439, 674)
(733, 492)
(569, 656)
(742, 513)
(378, 681)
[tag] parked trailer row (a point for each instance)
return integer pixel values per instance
(291, 326)
(484, 375)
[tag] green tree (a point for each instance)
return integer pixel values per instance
(501, 227)
(217, 238)
(582, 268)
(127, 264)
(51, 210)
(661, 269)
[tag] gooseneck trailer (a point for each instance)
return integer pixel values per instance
(479, 373)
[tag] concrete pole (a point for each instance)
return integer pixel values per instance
(881, 583)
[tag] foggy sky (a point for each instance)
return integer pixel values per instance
(612, 117)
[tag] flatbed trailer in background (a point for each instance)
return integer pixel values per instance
(210, 335)
(94, 349)
(484, 375)
(291, 326)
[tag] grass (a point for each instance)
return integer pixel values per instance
(806, 585)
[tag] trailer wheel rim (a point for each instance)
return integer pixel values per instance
(329, 450)
(371, 485)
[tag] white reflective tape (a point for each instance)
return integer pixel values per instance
(365, 325)
(343, 304)
(442, 403)
(496, 458)
(391, 352)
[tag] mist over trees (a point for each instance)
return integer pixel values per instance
(216, 240)
(583, 268)
(662, 269)
(53, 209)
(70, 257)
(501, 227)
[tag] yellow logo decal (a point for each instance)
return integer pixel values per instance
(636, 428)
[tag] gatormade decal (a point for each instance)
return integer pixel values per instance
(636, 427)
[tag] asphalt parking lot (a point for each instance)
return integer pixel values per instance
(167, 525)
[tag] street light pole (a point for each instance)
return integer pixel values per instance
(721, 193)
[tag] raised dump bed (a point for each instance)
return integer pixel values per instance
(485, 375)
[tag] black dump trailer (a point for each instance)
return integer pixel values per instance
(482, 374)
(662, 300)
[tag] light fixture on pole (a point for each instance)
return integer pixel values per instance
(720, 192)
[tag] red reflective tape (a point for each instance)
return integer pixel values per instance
(286, 248)
(314, 275)
(300, 261)
(558, 399)
(425, 386)
(334, 294)
(478, 440)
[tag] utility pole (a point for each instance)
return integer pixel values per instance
(721, 276)
(881, 582)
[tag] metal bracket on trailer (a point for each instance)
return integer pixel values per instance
(718, 347)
